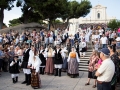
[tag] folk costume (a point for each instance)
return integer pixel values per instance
(24, 65)
(64, 53)
(14, 69)
(82, 52)
(73, 64)
(34, 65)
(58, 61)
(77, 47)
(43, 60)
(49, 68)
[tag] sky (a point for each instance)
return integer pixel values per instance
(112, 9)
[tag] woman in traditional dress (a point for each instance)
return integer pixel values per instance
(34, 64)
(64, 53)
(73, 62)
(49, 63)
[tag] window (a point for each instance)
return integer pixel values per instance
(98, 15)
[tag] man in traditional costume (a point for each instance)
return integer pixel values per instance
(26, 71)
(58, 61)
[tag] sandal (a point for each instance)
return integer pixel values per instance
(87, 84)
(94, 86)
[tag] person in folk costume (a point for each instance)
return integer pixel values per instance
(49, 68)
(14, 69)
(77, 47)
(64, 53)
(96, 44)
(34, 64)
(73, 62)
(82, 52)
(58, 61)
(68, 47)
(43, 59)
(26, 70)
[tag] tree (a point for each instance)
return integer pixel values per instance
(29, 12)
(5, 4)
(15, 22)
(51, 9)
(113, 24)
(76, 9)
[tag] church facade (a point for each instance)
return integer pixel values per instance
(97, 18)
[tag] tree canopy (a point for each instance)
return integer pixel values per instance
(5, 4)
(113, 24)
(50, 10)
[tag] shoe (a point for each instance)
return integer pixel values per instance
(87, 84)
(25, 79)
(24, 82)
(94, 86)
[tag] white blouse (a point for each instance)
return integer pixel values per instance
(35, 63)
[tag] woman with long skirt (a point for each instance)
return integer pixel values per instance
(34, 63)
(49, 69)
(73, 62)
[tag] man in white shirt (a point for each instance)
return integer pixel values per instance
(105, 72)
(104, 41)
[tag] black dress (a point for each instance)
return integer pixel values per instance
(15, 68)
(43, 60)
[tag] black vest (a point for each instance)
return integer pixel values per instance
(43, 59)
(25, 59)
(15, 68)
(58, 57)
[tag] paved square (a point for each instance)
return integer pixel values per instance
(48, 82)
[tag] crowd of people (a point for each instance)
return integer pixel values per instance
(51, 52)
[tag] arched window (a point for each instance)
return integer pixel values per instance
(98, 15)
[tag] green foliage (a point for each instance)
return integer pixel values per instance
(113, 24)
(14, 22)
(76, 9)
(57, 21)
(7, 4)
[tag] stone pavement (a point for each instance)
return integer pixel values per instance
(48, 82)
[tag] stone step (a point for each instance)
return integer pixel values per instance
(84, 58)
(84, 61)
(87, 55)
(83, 64)
(83, 69)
